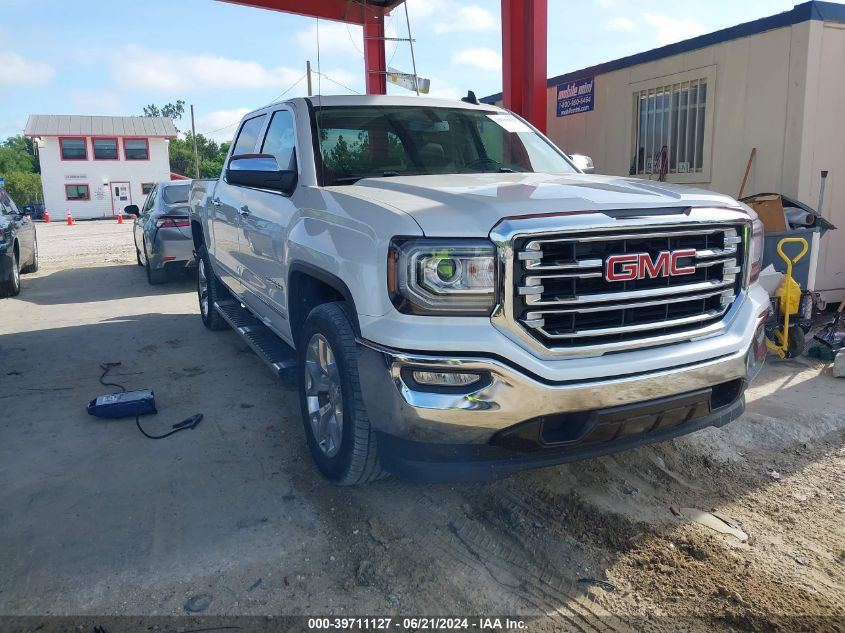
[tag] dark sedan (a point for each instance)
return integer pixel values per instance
(18, 246)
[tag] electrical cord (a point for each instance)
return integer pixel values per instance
(188, 423)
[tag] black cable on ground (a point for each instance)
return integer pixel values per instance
(187, 423)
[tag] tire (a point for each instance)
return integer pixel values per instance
(32, 267)
(209, 291)
(138, 256)
(154, 277)
(11, 286)
(796, 343)
(345, 450)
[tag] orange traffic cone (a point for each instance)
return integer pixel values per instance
(120, 218)
(46, 216)
(69, 218)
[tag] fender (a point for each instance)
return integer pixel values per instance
(298, 266)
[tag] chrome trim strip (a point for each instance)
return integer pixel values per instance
(626, 306)
(607, 297)
(636, 327)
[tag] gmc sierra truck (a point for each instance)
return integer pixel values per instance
(456, 300)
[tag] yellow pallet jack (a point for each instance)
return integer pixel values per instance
(787, 341)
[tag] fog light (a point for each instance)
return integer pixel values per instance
(445, 378)
(756, 356)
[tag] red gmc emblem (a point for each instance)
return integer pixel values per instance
(641, 265)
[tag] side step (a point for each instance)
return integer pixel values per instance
(279, 356)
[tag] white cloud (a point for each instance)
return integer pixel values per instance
(335, 37)
(671, 30)
(15, 69)
(422, 9)
(336, 81)
(620, 24)
(97, 103)
(220, 125)
(606, 4)
(140, 69)
(483, 58)
(468, 18)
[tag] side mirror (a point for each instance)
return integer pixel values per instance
(132, 209)
(260, 171)
(584, 163)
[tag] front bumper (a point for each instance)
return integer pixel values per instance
(511, 420)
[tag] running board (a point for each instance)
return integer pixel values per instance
(279, 356)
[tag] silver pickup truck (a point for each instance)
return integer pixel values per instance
(456, 300)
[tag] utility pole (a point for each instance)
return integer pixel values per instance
(194, 137)
(308, 72)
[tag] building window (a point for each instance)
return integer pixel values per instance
(670, 117)
(77, 192)
(73, 148)
(105, 148)
(147, 187)
(136, 149)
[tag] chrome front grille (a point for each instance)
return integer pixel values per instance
(562, 298)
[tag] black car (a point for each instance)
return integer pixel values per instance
(18, 246)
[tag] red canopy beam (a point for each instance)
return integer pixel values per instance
(339, 10)
(375, 64)
(524, 35)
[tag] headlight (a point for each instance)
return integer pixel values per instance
(442, 276)
(755, 251)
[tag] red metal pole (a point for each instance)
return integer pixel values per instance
(375, 64)
(524, 41)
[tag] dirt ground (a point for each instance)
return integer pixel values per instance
(231, 518)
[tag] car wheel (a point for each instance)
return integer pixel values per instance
(154, 277)
(138, 256)
(209, 291)
(337, 428)
(33, 265)
(11, 286)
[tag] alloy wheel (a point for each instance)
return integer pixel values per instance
(324, 398)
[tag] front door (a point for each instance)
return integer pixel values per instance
(121, 196)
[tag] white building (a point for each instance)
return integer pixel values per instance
(776, 84)
(93, 166)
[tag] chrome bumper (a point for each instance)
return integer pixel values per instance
(510, 396)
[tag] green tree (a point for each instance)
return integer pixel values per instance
(170, 110)
(17, 155)
(24, 187)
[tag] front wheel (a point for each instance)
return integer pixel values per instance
(341, 440)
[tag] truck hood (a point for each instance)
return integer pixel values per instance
(469, 205)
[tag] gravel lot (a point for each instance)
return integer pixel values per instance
(231, 518)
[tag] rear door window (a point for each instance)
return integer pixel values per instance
(248, 136)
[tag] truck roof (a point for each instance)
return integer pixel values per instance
(381, 100)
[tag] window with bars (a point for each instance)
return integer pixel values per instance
(670, 117)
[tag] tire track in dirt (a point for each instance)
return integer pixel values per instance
(477, 528)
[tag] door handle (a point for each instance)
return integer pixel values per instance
(215, 202)
(244, 210)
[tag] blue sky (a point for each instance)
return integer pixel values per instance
(114, 57)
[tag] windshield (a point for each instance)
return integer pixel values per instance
(176, 194)
(366, 141)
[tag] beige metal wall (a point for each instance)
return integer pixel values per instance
(778, 91)
(824, 148)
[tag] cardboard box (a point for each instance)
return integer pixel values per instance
(770, 210)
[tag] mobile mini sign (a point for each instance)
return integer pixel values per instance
(576, 96)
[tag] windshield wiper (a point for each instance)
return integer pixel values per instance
(390, 174)
(506, 170)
